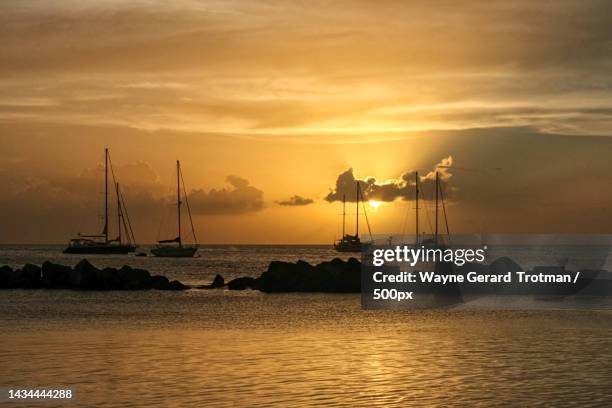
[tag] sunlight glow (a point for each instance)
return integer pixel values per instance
(375, 204)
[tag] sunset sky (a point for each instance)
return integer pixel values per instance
(274, 108)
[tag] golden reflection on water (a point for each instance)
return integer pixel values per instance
(313, 351)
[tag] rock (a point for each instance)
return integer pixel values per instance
(338, 276)
(504, 265)
(333, 276)
(176, 285)
(55, 275)
(5, 272)
(27, 277)
(134, 279)
(9, 278)
(5, 269)
(242, 283)
(159, 282)
(107, 279)
(218, 282)
(124, 272)
(83, 275)
(285, 276)
(32, 273)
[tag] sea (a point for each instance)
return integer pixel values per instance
(221, 348)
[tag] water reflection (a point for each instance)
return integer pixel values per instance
(306, 350)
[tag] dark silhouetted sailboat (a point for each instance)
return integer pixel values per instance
(351, 243)
(101, 244)
(434, 241)
(167, 247)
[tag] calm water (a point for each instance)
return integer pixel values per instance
(222, 348)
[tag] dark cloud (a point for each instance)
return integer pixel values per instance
(41, 206)
(390, 190)
(241, 198)
(138, 177)
(296, 200)
(52, 209)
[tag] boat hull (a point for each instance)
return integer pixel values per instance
(100, 249)
(351, 243)
(348, 248)
(174, 252)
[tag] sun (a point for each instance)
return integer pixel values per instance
(375, 204)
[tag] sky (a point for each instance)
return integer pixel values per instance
(277, 108)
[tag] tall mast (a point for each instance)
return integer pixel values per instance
(343, 214)
(437, 186)
(416, 189)
(357, 222)
(178, 199)
(119, 212)
(106, 194)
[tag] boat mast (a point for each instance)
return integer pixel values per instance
(343, 215)
(445, 217)
(178, 199)
(119, 212)
(357, 222)
(106, 195)
(416, 184)
(195, 239)
(437, 184)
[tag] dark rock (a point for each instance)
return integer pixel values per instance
(5, 269)
(284, 276)
(9, 278)
(124, 272)
(176, 285)
(332, 276)
(32, 272)
(55, 275)
(27, 277)
(134, 279)
(242, 283)
(159, 282)
(504, 265)
(83, 275)
(107, 279)
(218, 282)
(5, 276)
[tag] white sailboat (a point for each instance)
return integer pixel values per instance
(174, 248)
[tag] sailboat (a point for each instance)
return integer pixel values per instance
(434, 241)
(100, 243)
(351, 243)
(166, 248)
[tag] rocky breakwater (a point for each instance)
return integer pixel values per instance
(84, 276)
(335, 276)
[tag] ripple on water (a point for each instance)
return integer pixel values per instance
(220, 349)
